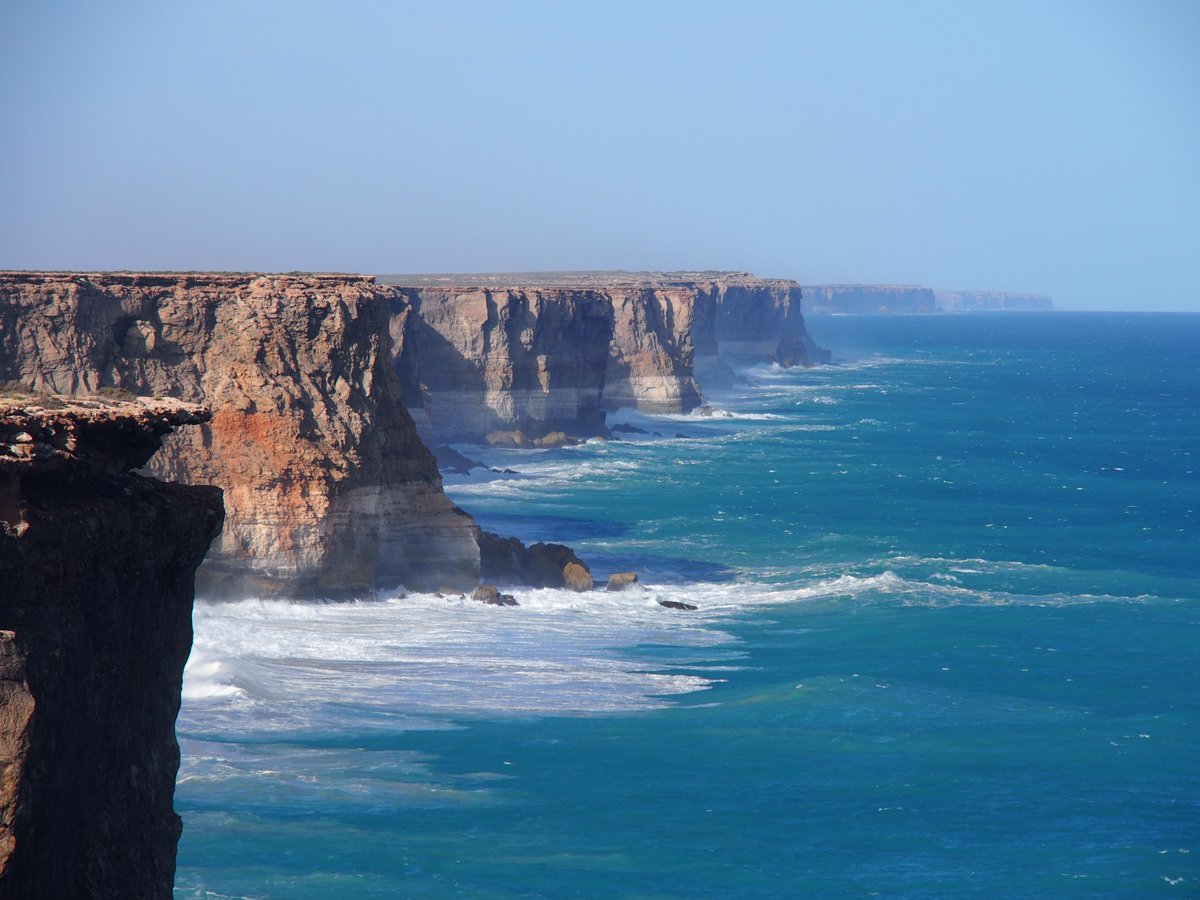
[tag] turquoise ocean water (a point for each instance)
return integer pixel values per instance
(948, 643)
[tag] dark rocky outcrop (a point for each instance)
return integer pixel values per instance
(490, 595)
(509, 561)
(96, 586)
(677, 604)
(450, 460)
(792, 352)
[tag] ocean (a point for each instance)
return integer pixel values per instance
(947, 642)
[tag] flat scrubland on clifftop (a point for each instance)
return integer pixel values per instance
(323, 386)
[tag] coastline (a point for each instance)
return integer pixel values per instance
(895, 645)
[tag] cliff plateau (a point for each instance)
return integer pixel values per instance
(96, 587)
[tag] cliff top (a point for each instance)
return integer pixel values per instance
(582, 280)
(48, 433)
(867, 288)
(185, 278)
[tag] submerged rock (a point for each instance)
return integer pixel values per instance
(676, 604)
(627, 429)
(450, 460)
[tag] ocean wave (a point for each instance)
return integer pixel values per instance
(558, 652)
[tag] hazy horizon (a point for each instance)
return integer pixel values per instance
(1008, 147)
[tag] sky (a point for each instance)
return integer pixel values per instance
(1051, 147)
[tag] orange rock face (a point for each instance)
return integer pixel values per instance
(328, 489)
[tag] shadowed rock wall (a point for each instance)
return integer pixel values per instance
(96, 585)
(549, 353)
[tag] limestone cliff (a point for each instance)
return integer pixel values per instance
(494, 360)
(546, 352)
(328, 489)
(869, 299)
(96, 581)
(876, 299)
(992, 301)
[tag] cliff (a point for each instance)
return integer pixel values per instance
(96, 582)
(479, 359)
(549, 352)
(992, 301)
(875, 299)
(328, 489)
(869, 299)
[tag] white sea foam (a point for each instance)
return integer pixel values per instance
(558, 652)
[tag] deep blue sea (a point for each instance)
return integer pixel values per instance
(947, 643)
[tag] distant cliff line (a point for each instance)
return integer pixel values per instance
(911, 299)
(314, 382)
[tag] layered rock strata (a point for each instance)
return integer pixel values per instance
(479, 360)
(540, 353)
(329, 491)
(96, 586)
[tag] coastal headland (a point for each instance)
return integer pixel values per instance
(328, 390)
(96, 589)
(303, 469)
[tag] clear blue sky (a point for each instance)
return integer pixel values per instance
(1050, 147)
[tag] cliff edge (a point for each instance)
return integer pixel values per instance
(96, 588)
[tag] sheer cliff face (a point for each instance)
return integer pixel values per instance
(652, 349)
(869, 299)
(328, 489)
(549, 357)
(96, 580)
(505, 359)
